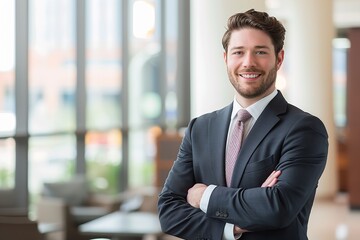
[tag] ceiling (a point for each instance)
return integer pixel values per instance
(347, 13)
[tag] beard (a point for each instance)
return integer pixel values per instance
(256, 91)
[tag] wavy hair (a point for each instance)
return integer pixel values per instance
(258, 20)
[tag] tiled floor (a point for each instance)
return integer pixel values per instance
(333, 220)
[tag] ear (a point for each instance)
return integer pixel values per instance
(225, 56)
(280, 59)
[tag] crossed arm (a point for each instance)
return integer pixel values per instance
(196, 192)
(301, 158)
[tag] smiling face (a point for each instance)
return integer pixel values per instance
(252, 64)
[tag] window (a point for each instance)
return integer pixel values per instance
(52, 82)
(340, 48)
(103, 76)
(52, 159)
(52, 69)
(7, 164)
(103, 64)
(145, 88)
(93, 85)
(103, 160)
(7, 93)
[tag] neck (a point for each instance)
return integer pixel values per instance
(247, 101)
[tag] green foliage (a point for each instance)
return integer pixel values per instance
(6, 178)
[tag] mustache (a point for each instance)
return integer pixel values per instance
(252, 69)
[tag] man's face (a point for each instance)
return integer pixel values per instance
(252, 64)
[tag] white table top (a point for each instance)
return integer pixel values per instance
(123, 224)
(49, 227)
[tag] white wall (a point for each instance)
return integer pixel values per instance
(210, 86)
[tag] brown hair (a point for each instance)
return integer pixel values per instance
(258, 20)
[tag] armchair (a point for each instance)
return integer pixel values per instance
(69, 204)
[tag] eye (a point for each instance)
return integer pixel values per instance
(261, 53)
(237, 53)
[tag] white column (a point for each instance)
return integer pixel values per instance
(310, 31)
(210, 85)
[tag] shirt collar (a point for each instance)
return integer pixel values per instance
(256, 108)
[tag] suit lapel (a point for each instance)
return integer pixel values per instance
(267, 120)
(218, 128)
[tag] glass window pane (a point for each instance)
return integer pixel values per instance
(7, 163)
(171, 33)
(340, 49)
(7, 67)
(145, 88)
(51, 158)
(103, 160)
(52, 69)
(145, 104)
(103, 63)
(141, 156)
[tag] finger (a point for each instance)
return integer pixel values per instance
(268, 180)
(273, 182)
(272, 179)
(277, 173)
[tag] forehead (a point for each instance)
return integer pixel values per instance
(249, 38)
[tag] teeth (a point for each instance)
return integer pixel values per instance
(250, 75)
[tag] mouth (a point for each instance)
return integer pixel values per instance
(250, 76)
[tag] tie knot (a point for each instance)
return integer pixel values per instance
(243, 115)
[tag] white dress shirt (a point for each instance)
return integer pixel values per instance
(255, 110)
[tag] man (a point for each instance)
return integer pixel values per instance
(270, 192)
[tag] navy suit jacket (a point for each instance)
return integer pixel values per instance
(283, 138)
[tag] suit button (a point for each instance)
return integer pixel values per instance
(221, 214)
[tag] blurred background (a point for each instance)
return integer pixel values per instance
(88, 87)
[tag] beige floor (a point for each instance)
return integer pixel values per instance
(333, 220)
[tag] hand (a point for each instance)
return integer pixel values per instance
(195, 194)
(272, 179)
(238, 230)
(269, 182)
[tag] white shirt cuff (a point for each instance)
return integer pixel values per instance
(204, 201)
(229, 231)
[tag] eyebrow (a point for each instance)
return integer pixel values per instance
(256, 47)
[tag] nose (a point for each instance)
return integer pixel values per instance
(249, 60)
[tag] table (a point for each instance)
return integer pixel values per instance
(14, 212)
(46, 228)
(123, 224)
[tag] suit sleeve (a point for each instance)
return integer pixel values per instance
(177, 217)
(303, 155)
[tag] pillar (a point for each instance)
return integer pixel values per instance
(210, 86)
(310, 81)
(353, 126)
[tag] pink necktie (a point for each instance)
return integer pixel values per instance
(234, 143)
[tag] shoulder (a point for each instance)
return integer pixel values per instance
(293, 117)
(204, 119)
(302, 119)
